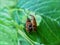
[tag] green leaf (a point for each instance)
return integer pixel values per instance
(7, 3)
(47, 7)
(49, 31)
(8, 34)
(13, 15)
(49, 12)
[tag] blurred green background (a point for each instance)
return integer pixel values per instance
(13, 15)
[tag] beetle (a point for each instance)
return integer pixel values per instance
(34, 24)
(28, 25)
(31, 24)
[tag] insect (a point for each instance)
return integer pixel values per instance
(34, 24)
(28, 25)
(31, 24)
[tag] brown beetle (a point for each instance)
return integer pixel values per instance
(31, 24)
(28, 25)
(34, 24)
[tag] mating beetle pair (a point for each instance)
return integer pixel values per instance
(31, 24)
